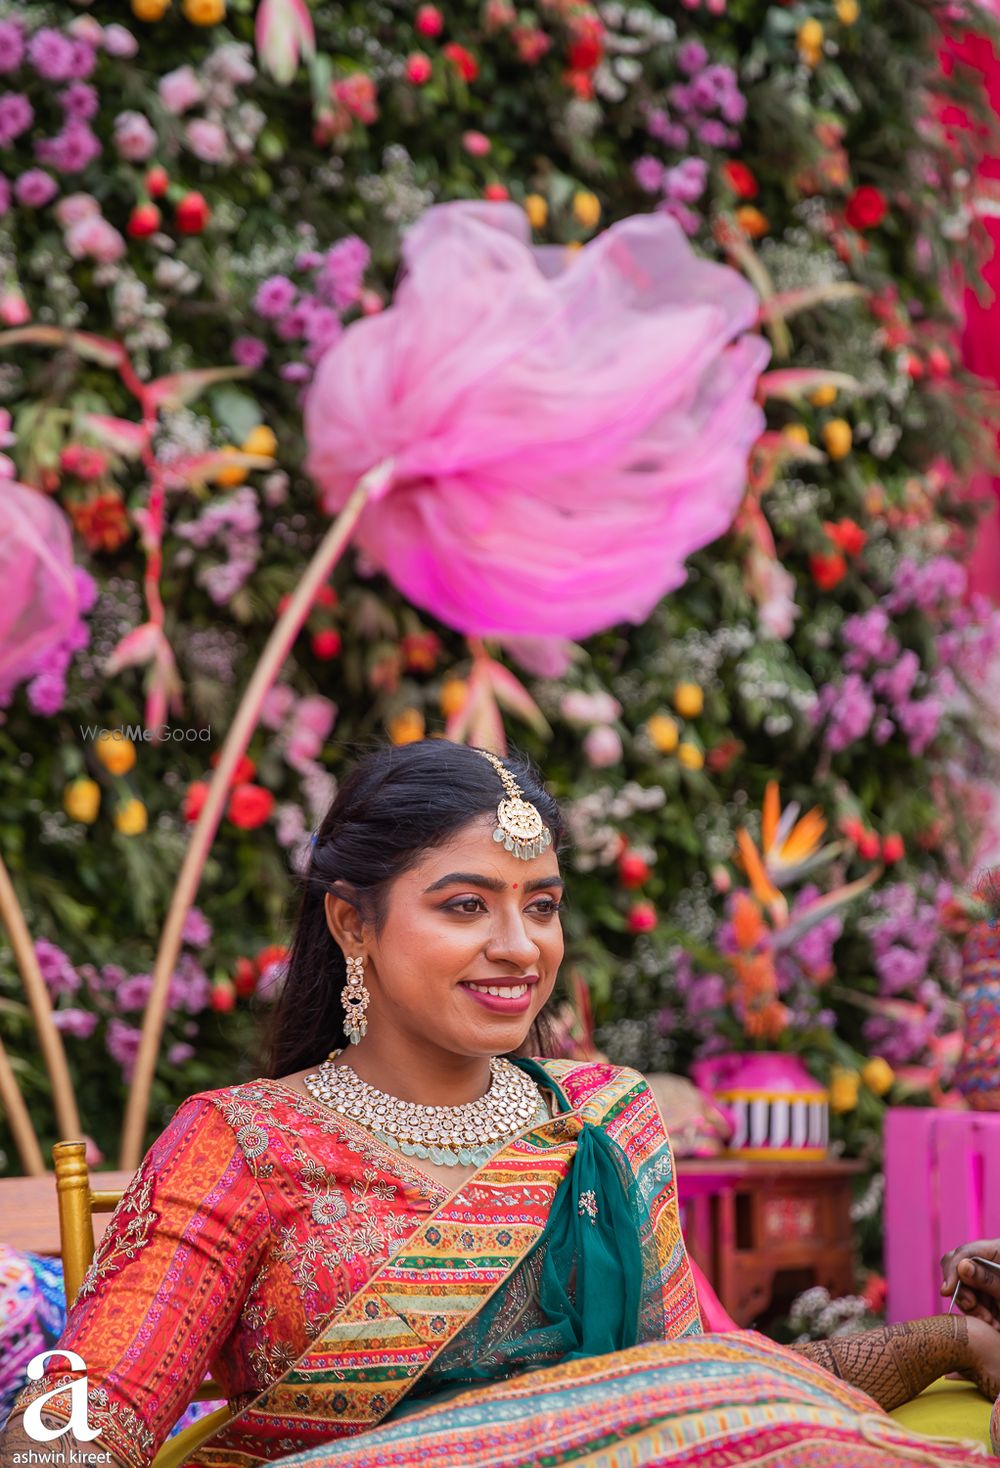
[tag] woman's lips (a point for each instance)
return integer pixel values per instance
(503, 1003)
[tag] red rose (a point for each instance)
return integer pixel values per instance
(939, 362)
(496, 192)
(193, 214)
(587, 46)
(245, 977)
(223, 996)
(866, 208)
(143, 221)
(740, 179)
(828, 571)
(83, 462)
(245, 769)
(869, 846)
(893, 848)
(157, 182)
(250, 806)
(194, 799)
(632, 869)
(462, 60)
(847, 535)
(642, 918)
(326, 644)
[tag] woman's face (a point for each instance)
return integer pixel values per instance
(468, 914)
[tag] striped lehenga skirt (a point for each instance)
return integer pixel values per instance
(704, 1402)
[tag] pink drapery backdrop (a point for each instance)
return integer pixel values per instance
(980, 341)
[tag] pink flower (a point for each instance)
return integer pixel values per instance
(95, 238)
(429, 21)
(79, 101)
(478, 144)
(14, 309)
(316, 714)
(11, 45)
(207, 140)
(358, 94)
(35, 188)
(16, 116)
(42, 594)
(249, 351)
(71, 150)
(274, 297)
(80, 1024)
(119, 42)
(602, 746)
(180, 89)
(53, 55)
(480, 385)
(418, 68)
(278, 701)
(580, 707)
(74, 207)
(134, 137)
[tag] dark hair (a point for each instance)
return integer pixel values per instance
(396, 802)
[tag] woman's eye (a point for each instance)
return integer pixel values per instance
(549, 907)
(467, 904)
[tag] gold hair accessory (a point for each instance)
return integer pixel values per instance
(520, 826)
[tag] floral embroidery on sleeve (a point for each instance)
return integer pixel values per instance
(127, 1233)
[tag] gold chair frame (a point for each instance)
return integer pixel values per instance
(77, 1203)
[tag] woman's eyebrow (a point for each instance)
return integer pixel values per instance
(492, 884)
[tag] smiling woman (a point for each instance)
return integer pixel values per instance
(418, 1239)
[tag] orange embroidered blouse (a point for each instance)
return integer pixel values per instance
(214, 1273)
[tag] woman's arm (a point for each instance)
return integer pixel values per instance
(896, 1363)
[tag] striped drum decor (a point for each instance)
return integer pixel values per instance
(778, 1111)
(978, 1073)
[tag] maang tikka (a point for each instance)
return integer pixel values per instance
(519, 825)
(354, 997)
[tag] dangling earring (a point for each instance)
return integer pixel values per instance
(355, 996)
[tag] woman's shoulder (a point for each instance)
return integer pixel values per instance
(584, 1081)
(240, 1103)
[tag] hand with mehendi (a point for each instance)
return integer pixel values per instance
(979, 1294)
(894, 1364)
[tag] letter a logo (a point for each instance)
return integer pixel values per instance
(78, 1423)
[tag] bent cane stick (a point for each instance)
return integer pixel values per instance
(279, 645)
(12, 1103)
(49, 1038)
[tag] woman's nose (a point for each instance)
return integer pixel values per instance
(511, 940)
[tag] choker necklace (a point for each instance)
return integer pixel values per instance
(452, 1135)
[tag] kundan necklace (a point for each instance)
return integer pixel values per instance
(452, 1135)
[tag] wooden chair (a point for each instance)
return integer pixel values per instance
(78, 1202)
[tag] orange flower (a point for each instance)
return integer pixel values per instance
(102, 521)
(748, 924)
(751, 221)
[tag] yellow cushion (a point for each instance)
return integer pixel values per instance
(948, 1409)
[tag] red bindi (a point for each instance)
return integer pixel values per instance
(515, 886)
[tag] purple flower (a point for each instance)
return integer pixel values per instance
(47, 693)
(686, 183)
(179, 1052)
(84, 59)
(134, 993)
(249, 351)
(688, 220)
(899, 968)
(849, 709)
(658, 124)
(274, 297)
(295, 372)
(920, 722)
(11, 45)
(71, 150)
(16, 116)
(123, 1045)
(691, 57)
(713, 134)
(342, 272)
(35, 188)
(79, 101)
(197, 929)
(648, 173)
(53, 55)
(80, 1024)
(119, 41)
(896, 684)
(134, 137)
(57, 971)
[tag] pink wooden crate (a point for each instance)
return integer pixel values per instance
(942, 1189)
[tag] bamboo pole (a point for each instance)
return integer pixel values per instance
(12, 1101)
(372, 485)
(53, 1053)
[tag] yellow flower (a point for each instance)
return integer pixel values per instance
(454, 692)
(537, 210)
(823, 396)
(115, 752)
(407, 727)
(586, 209)
(204, 12)
(663, 732)
(878, 1075)
(261, 440)
(688, 700)
(131, 818)
(796, 433)
(229, 478)
(82, 800)
(847, 11)
(150, 9)
(837, 438)
(810, 42)
(844, 1087)
(690, 756)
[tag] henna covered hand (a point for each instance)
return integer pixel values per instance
(979, 1294)
(894, 1364)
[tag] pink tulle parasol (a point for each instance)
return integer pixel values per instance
(566, 428)
(39, 605)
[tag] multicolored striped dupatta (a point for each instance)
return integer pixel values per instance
(592, 1189)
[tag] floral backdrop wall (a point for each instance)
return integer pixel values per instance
(772, 783)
